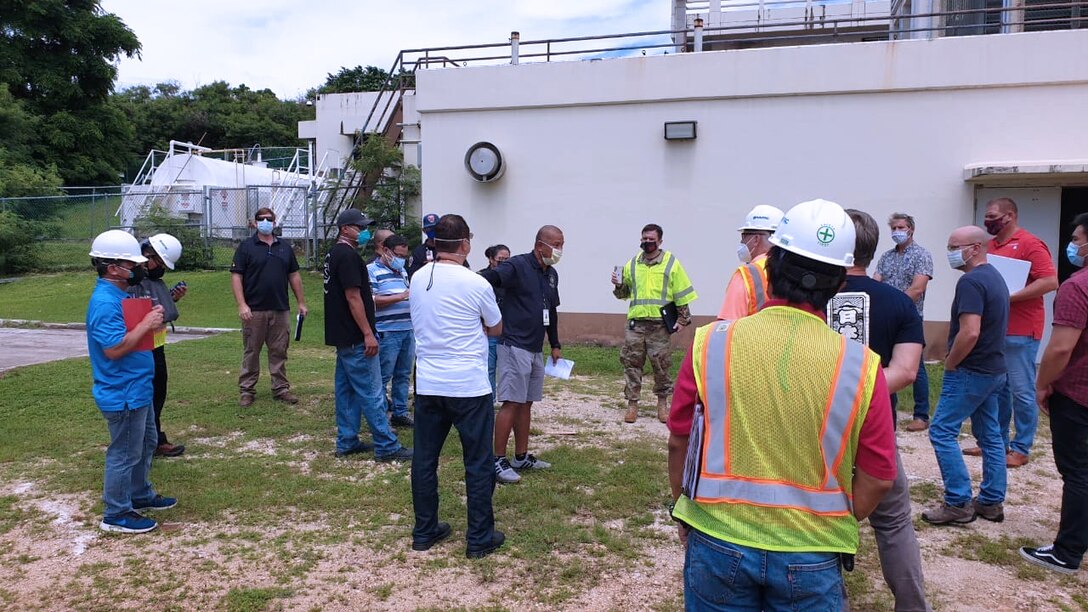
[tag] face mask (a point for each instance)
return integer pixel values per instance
(157, 273)
(648, 247)
(744, 254)
(1071, 254)
(429, 234)
(994, 226)
(265, 227)
(135, 275)
(900, 236)
(397, 264)
(363, 237)
(955, 259)
(557, 254)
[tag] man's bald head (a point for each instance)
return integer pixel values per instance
(967, 235)
(381, 235)
(550, 234)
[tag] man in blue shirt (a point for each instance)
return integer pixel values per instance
(393, 318)
(122, 385)
(974, 376)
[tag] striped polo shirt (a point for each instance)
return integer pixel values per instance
(385, 281)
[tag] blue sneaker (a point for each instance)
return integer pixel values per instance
(157, 503)
(130, 522)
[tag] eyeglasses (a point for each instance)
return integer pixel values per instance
(953, 247)
(266, 218)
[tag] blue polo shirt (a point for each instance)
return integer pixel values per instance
(118, 383)
(529, 289)
(386, 281)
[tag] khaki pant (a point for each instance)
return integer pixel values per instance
(271, 327)
(646, 339)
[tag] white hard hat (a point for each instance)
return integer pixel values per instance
(116, 244)
(762, 218)
(167, 248)
(819, 230)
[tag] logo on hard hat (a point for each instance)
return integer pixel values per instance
(825, 234)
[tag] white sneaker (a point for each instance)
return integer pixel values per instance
(529, 463)
(504, 473)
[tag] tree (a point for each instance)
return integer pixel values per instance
(370, 78)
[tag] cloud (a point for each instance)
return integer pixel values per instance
(289, 47)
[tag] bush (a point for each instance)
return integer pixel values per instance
(196, 254)
(19, 244)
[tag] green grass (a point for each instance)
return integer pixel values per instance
(85, 217)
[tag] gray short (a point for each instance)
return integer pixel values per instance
(520, 375)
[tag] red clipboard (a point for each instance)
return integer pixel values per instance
(134, 311)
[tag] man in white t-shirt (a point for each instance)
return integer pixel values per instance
(452, 309)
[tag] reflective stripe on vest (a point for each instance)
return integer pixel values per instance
(636, 301)
(755, 281)
(718, 484)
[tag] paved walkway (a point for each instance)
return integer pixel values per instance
(24, 347)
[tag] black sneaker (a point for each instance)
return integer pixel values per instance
(402, 421)
(1045, 557)
(362, 447)
(401, 454)
(444, 532)
(990, 512)
(497, 539)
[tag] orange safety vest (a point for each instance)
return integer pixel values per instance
(818, 506)
(755, 282)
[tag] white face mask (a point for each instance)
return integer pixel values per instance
(900, 236)
(955, 259)
(744, 252)
(557, 254)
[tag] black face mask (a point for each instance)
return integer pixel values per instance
(157, 273)
(138, 275)
(648, 247)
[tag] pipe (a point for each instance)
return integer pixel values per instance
(515, 39)
(698, 34)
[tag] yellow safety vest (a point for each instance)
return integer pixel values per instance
(770, 458)
(654, 286)
(754, 275)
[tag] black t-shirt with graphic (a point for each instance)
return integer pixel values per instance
(344, 269)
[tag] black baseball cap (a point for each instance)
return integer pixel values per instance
(353, 216)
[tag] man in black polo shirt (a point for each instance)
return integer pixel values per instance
(528, 310)
(262, 268)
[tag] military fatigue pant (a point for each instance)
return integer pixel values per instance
(646, 338)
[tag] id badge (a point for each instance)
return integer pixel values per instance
(547, 318)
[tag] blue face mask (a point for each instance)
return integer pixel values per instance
(1071, 254)
(397, 264)
(364, 237)
(265, 227)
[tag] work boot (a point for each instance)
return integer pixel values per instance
(974, 451)
(632, 412)
(945, 515)
(663, 408)
(1014, 459)
(917, 425)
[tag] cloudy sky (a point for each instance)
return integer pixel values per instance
(290, 46)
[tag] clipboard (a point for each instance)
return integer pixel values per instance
(669, 316)
(134, 310)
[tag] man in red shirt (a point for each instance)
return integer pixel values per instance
(1062, 392)
(1026, 319)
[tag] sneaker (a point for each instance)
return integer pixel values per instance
(504, 473)
(917, 425)
(401, 454)
(1014, 459)
(444, 532)
(361, 447)
(530, 462)
(990, 512)
(945, 515)
(974, 451)
(286, 397)
(157, 503)
(130, 522)
(497, 539)
(246, 401)
(402, 421)
(169, 450)
(1045, 557)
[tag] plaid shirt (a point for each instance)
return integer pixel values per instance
(899, 269)
(1071, 310)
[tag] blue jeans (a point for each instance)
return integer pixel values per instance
(1017, 401)
(358, 388)
(720, 575)
(133, 438)
(921, 392)
(474, 418)
(492, 361)
(397, 352)
(969, 395)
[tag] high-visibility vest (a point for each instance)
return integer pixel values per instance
(754, 275)
(772, 445)
(654, 286)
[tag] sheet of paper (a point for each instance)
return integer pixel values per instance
(560, 369)
(848, 313)
(1014, 271)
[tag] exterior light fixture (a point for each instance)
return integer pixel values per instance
(680, 130)
(484, 162)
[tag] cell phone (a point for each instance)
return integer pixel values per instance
(175, 288)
